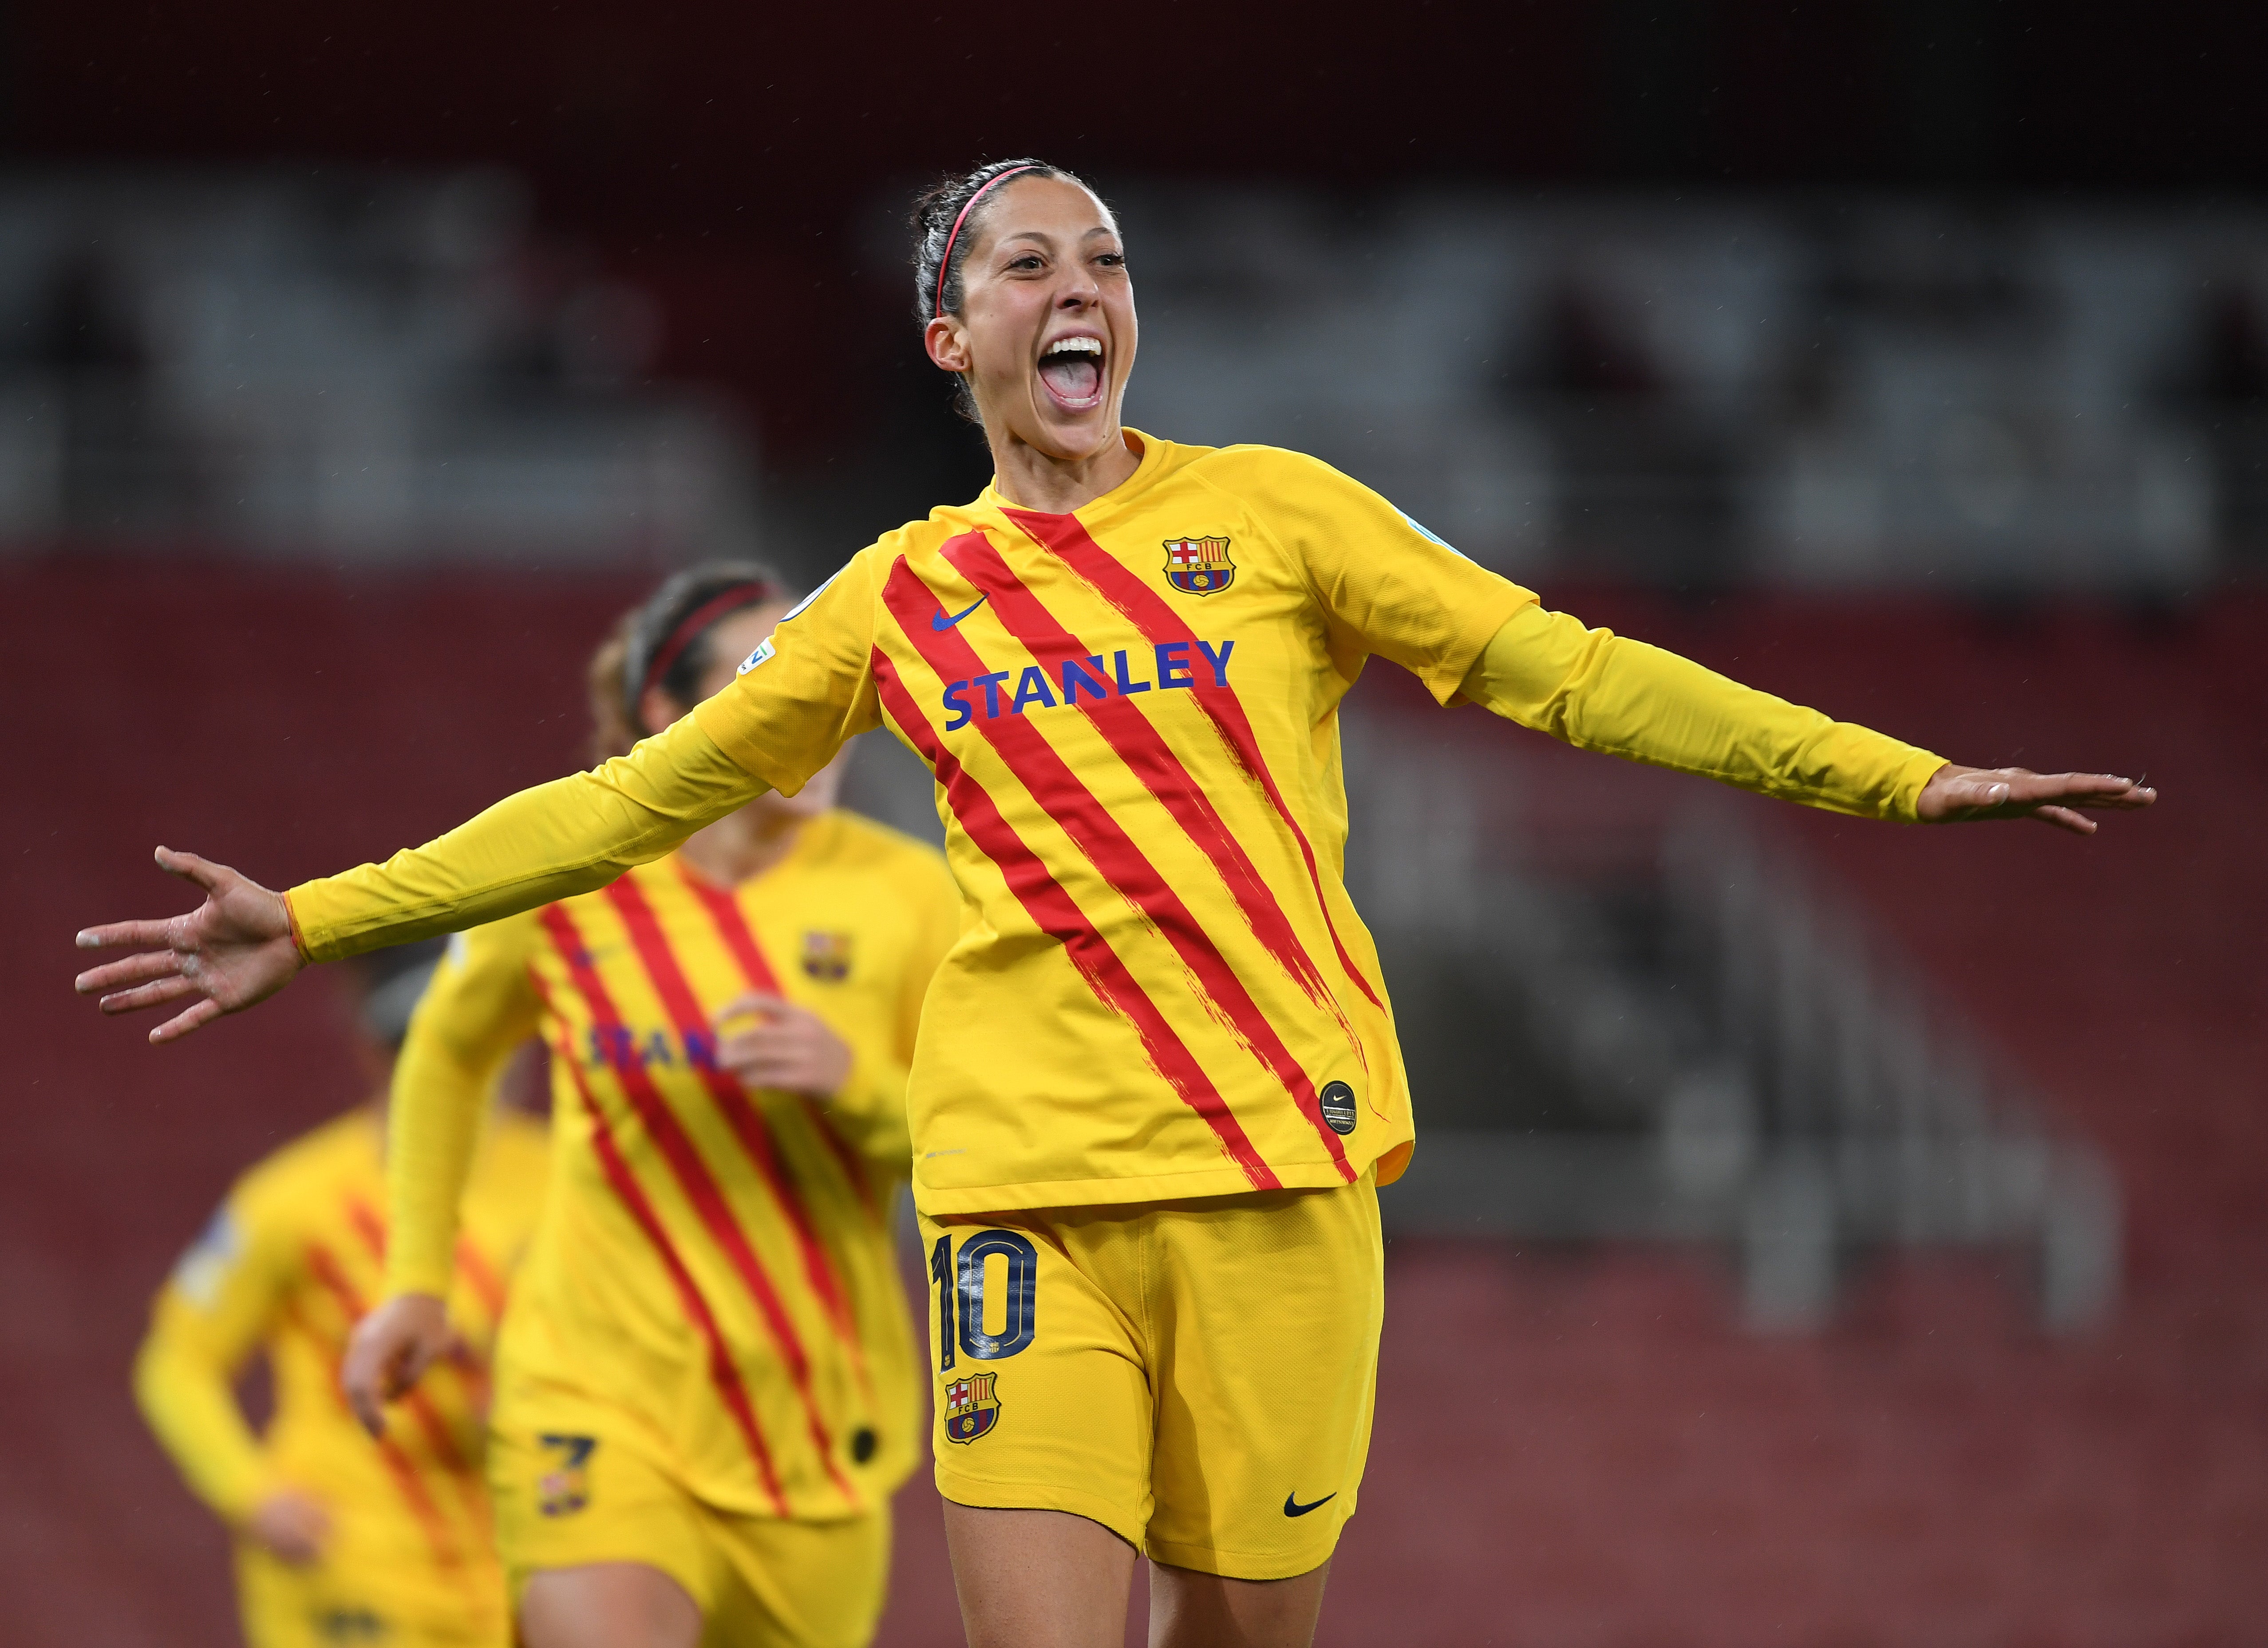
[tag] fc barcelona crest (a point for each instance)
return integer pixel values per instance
(1199, 566)
(827, 955)
(970, 1408)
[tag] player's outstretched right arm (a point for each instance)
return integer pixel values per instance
(245, 943)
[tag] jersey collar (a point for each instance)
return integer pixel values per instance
(1155, 456)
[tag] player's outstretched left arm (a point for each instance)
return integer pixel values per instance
(1599, 691)
(231, 951)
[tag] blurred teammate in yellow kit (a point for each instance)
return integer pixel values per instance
(340, 1539)
(707, 1388)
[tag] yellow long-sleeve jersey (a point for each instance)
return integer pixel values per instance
(715, 1264)
(1131, 714)
(289, 1264)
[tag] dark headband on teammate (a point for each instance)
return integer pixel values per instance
(638, 676)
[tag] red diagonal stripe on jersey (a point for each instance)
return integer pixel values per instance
(722, 1372)
(1054, 913)
(747, 1124)
(487, 1287)
(368, 1226)
(325, 1268)
(1050, 782)
(472, 1264)
(1156, 618)
(482, 1277)
(691, 1173)
(1139, 743)
(372, 1230)
(468, 1367)
(740, 941)
(407, 1481)
(1057, 913)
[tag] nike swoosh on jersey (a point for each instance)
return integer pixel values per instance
(940, 623)
(1293, 1508)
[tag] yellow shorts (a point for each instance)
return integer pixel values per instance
(567, 1495)
(333, 1603)
(1196, 1376)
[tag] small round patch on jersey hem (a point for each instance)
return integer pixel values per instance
(1337, 1102)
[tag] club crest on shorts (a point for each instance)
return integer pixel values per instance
(1199, 566)
(970, 1408)
(827, 955)
(564, 1491)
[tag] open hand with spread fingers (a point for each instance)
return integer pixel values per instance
(232, 950)
(1959, 794)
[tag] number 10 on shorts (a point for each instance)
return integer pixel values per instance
(962, 1295)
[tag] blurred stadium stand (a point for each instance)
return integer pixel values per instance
(1632, 1016)
(276, 457)
(358, 367)
(1844, 391)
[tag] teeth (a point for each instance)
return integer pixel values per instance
(1076, 346)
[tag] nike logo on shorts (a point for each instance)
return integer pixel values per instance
(1293, 1508)
(940, 623)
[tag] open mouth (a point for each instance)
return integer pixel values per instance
(1072, 369)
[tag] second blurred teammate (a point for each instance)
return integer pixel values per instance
(705, 1385)
(339, 1540)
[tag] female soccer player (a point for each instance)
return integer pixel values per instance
(339, 1538)
(706, 1389)
(1157, 1080)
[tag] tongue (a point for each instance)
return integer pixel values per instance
(1074, 377)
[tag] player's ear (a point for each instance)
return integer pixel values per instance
(947, 343)
(657, 711)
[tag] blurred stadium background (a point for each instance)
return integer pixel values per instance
(1822, 1233)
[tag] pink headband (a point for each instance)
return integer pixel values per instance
(945, 265)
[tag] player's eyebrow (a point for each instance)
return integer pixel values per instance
(1044, 235)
